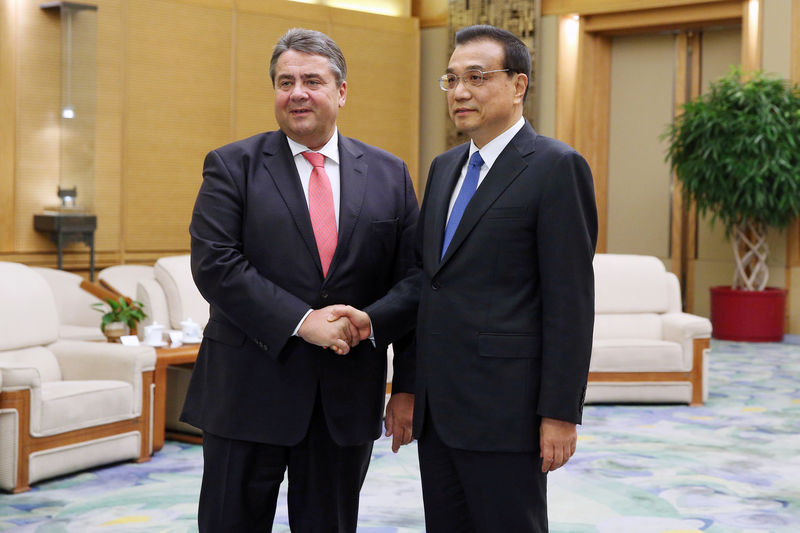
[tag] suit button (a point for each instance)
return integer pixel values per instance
(435, 285)
(324, 295)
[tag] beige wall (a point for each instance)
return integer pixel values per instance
(642, 80)
(546, 76)
(433, 104)
(175, 79)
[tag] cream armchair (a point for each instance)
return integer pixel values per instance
(65, 405)
(77, 320)
(172, 297)
(645, 348)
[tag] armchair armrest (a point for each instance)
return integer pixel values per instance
(14, 376)
(678, 327)
(80, 360)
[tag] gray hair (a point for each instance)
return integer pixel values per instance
(310, 42)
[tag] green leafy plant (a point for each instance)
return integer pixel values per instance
(120, 311)
(736, 152)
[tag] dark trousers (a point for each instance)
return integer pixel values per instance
(241, 481)
(467, 491)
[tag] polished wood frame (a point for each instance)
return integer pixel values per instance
(20, 401)
(185, 354)
(693, 376)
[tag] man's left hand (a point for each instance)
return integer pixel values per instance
(557, 441)
(399, 417)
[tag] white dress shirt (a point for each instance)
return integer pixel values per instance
(304, 168)
(489, 154)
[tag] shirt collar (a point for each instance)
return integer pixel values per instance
(330, 150)
(493, 148)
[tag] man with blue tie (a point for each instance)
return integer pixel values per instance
(507, 233)
(286, 223)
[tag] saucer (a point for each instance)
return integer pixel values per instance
(158, 345)
(192, 340)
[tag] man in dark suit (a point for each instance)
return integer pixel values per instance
(286, 223)
(507, 233)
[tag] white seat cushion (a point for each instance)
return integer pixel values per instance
(69, 405)
(630, 284)
(124, 278)
(636, 355)
(628, 326)
(73, 303)
(183, 298)
(80, 333)
(28, 311)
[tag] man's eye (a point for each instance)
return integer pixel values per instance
(285, 84)
(474, 77)
(313, 82)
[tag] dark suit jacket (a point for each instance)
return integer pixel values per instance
(254, 258)
(504, 330)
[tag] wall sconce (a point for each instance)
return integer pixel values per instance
(68, 197)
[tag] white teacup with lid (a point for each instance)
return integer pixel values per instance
(191, 330)
(154, 334)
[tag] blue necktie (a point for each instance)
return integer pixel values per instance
(464, 196)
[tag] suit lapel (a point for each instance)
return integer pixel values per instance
(279, 164)
(504, 171)
(440, 203)
(353, 181)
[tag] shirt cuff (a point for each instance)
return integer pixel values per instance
(299, 324)
(372, 334)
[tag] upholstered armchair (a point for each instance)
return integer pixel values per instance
(65, 405)
(645, 349)
(172, 297)
(76, 318)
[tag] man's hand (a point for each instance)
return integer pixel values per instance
(360, 327)
(557, 441)
(399, 415)
(319, 330)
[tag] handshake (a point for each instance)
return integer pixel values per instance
(338, 327)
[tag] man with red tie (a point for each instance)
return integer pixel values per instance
(287, 223)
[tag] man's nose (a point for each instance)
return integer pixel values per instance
(461, 91)
(298, 92)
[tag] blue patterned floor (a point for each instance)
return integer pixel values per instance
(731, 466)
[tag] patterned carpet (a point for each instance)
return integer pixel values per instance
(731, 466)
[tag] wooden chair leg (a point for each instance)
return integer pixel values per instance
(696, 375)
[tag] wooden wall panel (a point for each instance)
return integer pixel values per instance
(256, 32)
(177, 108)
(382, 106)
(38, 115)
(589, 7)
(175, 79)
(8, 117)
(108, 132)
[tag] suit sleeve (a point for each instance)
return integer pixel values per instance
(396, 324)
(225, 277)
(394, 315)
(566, 239)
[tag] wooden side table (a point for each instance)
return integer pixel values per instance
(186, 353)
(64, 228)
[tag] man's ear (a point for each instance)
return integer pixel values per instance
(520, 84)
(342, 93)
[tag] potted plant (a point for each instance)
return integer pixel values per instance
(118, 315)
(736, 152)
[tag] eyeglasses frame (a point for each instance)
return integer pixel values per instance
(462, 80)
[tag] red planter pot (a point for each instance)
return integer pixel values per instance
(750, 316)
